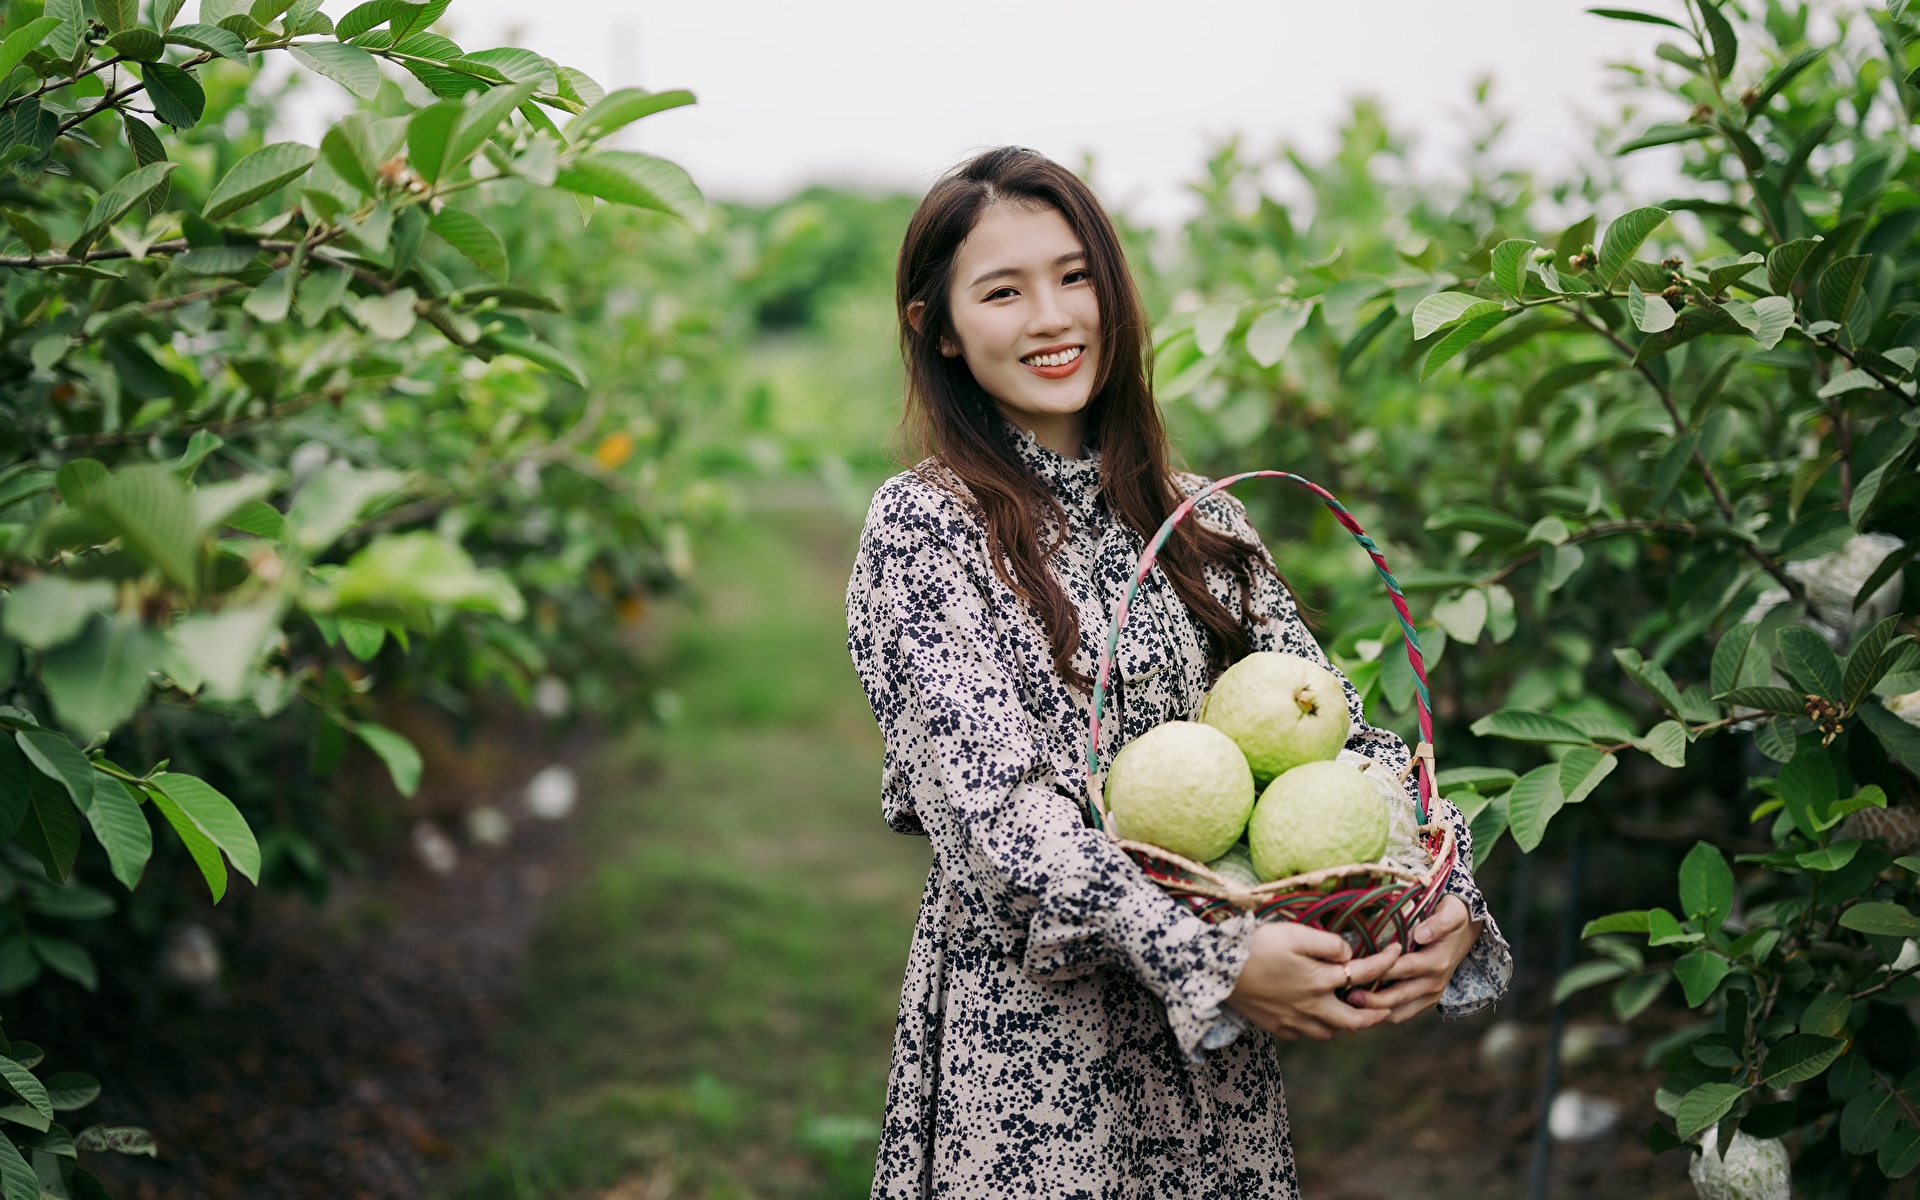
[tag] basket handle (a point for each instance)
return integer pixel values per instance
(1422, 754)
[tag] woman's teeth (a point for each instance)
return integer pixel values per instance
(1058, 359)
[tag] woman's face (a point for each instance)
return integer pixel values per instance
(1026, 320)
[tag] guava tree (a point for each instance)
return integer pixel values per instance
(1658, 464)
(259, 400)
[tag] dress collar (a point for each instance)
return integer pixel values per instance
(1075, 482)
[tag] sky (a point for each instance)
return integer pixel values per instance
(892, 92)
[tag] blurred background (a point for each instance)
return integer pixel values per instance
(568, 877)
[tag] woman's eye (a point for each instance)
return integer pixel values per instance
(1000, 293)
(1078, 275)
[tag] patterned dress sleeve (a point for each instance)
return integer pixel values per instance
(944, 687)
(1482, 978)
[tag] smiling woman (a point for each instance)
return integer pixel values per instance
(1066, 1028)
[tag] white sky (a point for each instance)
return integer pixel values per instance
(894, 91)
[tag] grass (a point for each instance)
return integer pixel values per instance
(709, 1007)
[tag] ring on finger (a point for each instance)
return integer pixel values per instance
(1346, 970)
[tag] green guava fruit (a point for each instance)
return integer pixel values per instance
(1317, 815)
(1281, 710)
(1236, 866)
(1182, 786)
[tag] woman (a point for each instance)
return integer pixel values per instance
(1065, 1029)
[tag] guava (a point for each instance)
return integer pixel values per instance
(1182, 786)
(1317, 815)
(1236, 866)
(1281, 710)
(1753, 1169)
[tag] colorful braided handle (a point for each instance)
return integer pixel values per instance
(1423, 754)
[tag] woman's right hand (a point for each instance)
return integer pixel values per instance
(1287, 986)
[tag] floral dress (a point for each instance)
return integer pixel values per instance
(1062, 1029)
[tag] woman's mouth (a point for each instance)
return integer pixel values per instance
(1055, 364)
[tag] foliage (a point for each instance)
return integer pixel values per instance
(1662, 470)
(286, 428)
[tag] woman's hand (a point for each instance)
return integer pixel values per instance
(1288, 983)
(1416, 981)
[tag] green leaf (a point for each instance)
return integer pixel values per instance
(332, 501)
(638, 180)
(1730, 657)
(1785, 74)
(98, 680)
(1673, 464)
(122, 830)
(1510, 261)
(1461, 336)
(1766, 319)
(1784, 262)
(1526, 725)
(205, 854)
(620, 108)
(1826, 1015)
(1620, 922)
(58, 759)
(349, 66)
(1893, 466)
(18, 1181)
(1726, 47)
(1586, 975)
(1634, 995)
(1812, 663)
(27, 37)
(211, 38)
(1648, 316)
(400, 15)
(1463, 616)
(177, 96)
(1486, 780)
(1532, 803)
(1880, 917)
(473, 238)
(50, 829)
(539, 353)
(215, 816)
(1873, 653)
(357, 145)
(403, 761)
(258, 175)
(1630, 14)
(116, 15)
(1768, 699)
(117, 201)
(1665, 135)
(1623, 239)
(1867, 1120)
(21, 1082)
(1900, 1153)
(44, 612)
(1798, 1058)
(68, 959)
(70, 1091)
(1699, 972)
(1665, 743)
(140, 45)
(1581, 770)
(1839, 286)
(477, 120)
(148, 507)
(1704, 1106)
(1828, 858)
(1706, 886)
(1808, 786)
(1900, 740)
(1271, 333)
(1651, 676)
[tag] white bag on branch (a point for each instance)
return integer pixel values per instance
(1832, 581)
(1754, 1169)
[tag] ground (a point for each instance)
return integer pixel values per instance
(687, 989)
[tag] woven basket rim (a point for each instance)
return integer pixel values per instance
(1214, 886)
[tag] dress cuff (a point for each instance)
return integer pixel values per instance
(1482, 977)
(1197, 1007)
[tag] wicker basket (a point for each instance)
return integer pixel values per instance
(1372, 905)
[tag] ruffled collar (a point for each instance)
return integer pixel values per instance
(1075, 482)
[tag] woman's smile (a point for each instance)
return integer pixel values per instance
(1055, 362)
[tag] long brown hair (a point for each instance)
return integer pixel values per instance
(952, 419)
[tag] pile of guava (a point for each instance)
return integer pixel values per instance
(1251, 788)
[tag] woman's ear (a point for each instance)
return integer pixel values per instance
(917, 317)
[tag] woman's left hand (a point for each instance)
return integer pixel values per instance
(1414, 984)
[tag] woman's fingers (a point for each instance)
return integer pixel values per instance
(1445, 919)
(1318, 943)
(1373, 966)
(1415, 965)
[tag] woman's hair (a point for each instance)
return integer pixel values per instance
(950, 417)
